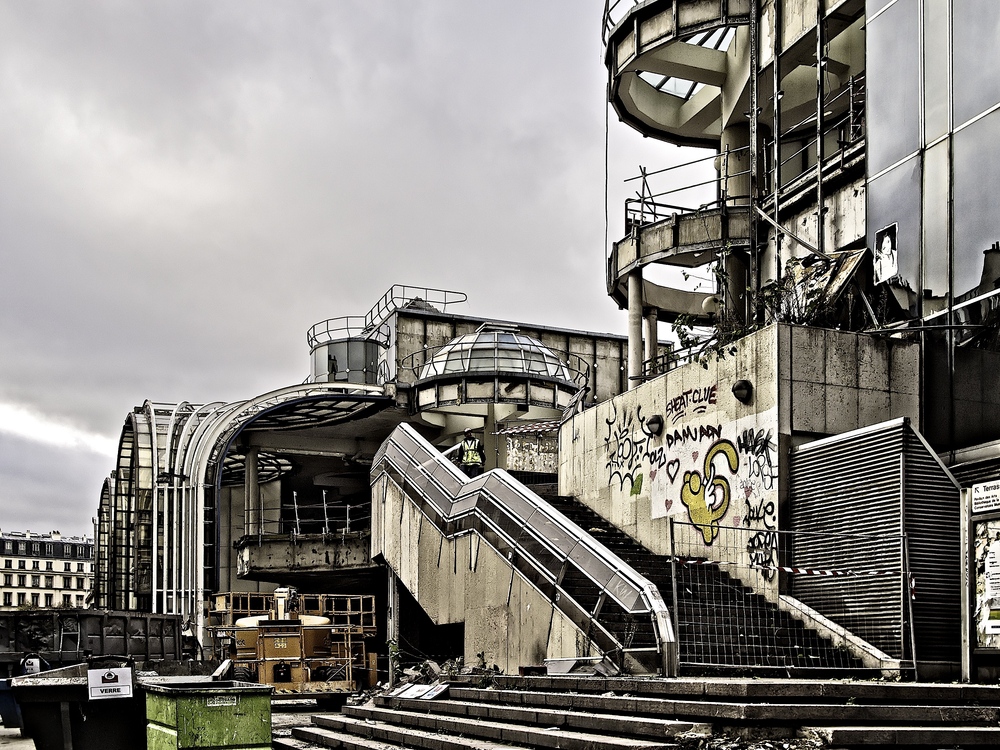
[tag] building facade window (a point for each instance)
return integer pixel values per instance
(8, 599)
(8, 579)
(34, 600)
(20, 599)
(35, 581)
(48, 600)
(48, 581)
(21, 580)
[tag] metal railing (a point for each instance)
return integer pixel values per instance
(345, 327)
(848, 124)
(315, 514)
(614, 12)
(538, 541)
(648, 206)
(871, 602)
(400, 295)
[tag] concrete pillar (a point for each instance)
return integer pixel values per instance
(736, 271)
(634, 328)
(392, 621)
(490, 438)
(734, 158)
(251, 493)
(652, 334)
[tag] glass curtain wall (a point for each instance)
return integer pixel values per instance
(933, 188)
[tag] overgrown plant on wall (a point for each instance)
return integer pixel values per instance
(812, 291)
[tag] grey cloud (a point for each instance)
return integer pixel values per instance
(187, 187)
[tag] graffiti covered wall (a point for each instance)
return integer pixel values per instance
(682, 448)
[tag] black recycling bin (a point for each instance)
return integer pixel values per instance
(57, 712)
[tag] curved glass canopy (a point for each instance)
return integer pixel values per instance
(496, 351)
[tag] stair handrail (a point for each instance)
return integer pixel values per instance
(503, 511)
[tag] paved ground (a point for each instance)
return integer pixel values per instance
(282, 722)
(11, 738)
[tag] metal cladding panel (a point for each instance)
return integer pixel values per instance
(884, 482)
(845, 512)
(932, 517)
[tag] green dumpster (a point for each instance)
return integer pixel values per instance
(231, 715)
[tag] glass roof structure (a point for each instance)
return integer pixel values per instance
(492, 351)
(717, 39)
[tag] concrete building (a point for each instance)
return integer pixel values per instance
(274, 490)
(854, 251)
(45, 570)
(804, 485)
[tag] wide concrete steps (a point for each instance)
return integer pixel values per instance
(498, 708)
(436, 731)
(722, 626)
(614, 713)
(918, 736)
(683, 711)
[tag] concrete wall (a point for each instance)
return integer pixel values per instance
(463, 579)
(836, 381)
(715, 463)
(723, 464)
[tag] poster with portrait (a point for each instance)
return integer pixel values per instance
(886, 254)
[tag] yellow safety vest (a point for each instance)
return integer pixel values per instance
(470, 453)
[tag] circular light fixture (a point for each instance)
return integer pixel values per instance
(743, 390)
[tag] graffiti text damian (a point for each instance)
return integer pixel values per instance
(716, 474)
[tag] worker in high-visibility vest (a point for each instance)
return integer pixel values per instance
(471, 454)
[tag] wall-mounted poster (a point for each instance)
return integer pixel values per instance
(886, 254)
(987, 572)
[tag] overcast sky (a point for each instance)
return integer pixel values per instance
(187, 186)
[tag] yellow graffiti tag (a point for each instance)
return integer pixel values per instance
(707, 495)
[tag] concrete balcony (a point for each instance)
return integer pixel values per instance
(673, 39)
(320, 557)
(687, 240)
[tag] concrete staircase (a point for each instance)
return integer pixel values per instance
(722, 626)
(593, 713)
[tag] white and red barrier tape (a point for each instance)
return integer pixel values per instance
(912, 582)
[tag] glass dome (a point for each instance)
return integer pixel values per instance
(496, 351)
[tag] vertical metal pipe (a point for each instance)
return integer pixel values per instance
(251, 492)
(295, 509)
(820, 124)
(326, 520)
(634, 328)
(776, 166)
(752, 314)
(673, 582)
